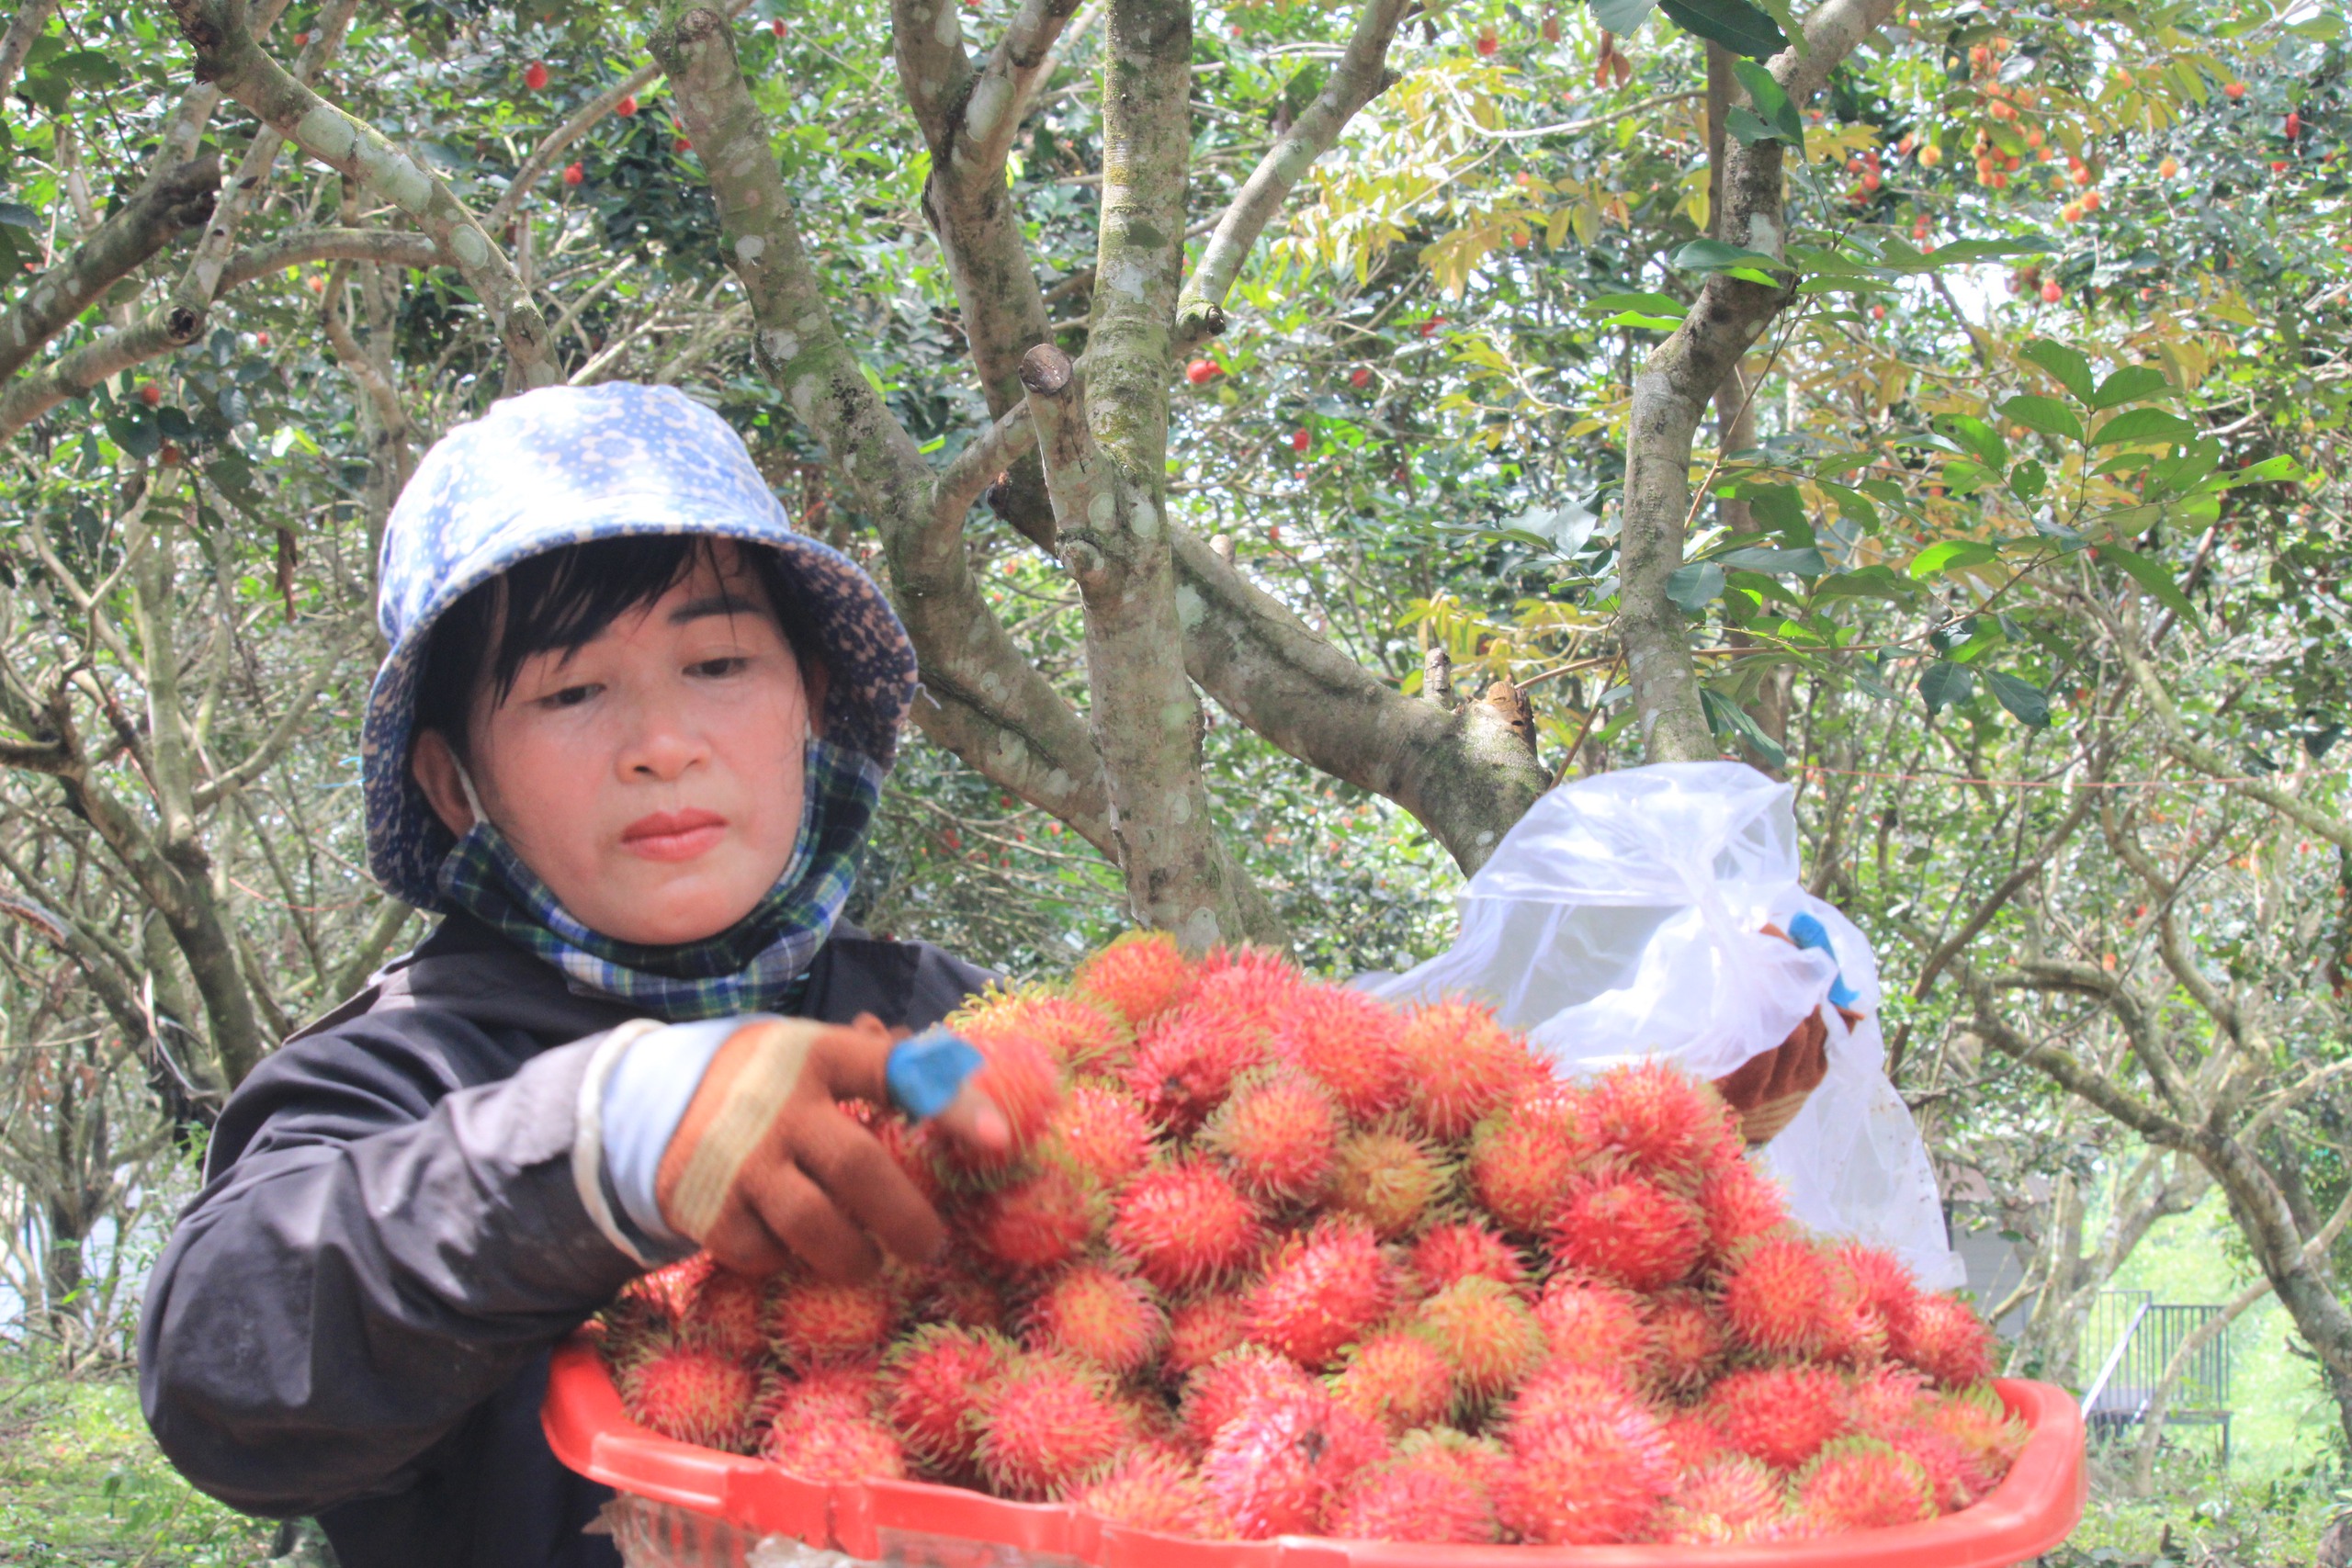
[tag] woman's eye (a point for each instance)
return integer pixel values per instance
(570, 698)
(731, 664)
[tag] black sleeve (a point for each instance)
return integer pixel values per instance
(391, 1231)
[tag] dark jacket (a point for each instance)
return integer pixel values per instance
(354, 1316)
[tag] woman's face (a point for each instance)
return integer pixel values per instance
(653, 776)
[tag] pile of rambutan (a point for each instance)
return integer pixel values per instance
(1271, 1256)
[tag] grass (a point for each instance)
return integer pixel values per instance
(81, 1483)
(2198, 1518)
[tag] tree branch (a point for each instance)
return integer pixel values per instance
(384, 247)
(72, 375)
(24, 30)
(552, 146)
(138, 229)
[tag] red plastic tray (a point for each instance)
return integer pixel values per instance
(2029, 1513)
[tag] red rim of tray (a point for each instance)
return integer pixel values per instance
(2035, 1508)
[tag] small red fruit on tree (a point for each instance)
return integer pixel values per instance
(1201, 372)
(169, 456)
(574, 174)
(261, 338)
(1300, 440)
(302, 39)
(2052, 293)
(1551, 27)
(777, 26)
(1487, 42)
(1878, 312)
(535, 75)
(1360, 377)
(2090, 201)
(2234, 91)
(2168, 168)
(682, 145)
(2294, 125)
(150, 394)
(627, 106)
(2277, 166)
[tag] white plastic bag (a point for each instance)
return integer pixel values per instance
(1622, 918)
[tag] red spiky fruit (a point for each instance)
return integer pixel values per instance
(1461, 1067)
(1103, 1131)
(726, 1310)
(1277, 1133)
(931, 1385)
(535, 75)
(1882, 1284)
(1687, 1341)
(1629, 1228)
(1658, 1116)
(1987, 1435)
(1421, 1498)
(839, 1449)
(1185, 1065)
(1953, 1478)
(1220, 1391)
(1720, 1503)
(1041, 1222)
(1487, 1334)
(1523, 1156)
(1352, 1042)
(953, 1291)
(1397, 1380)
(1696, 1439)
(1740, 1205)
(1248, 990)
(1779, 1297)
(1780, 1414)
(1024, 1081)
(913, 1150)
(1860, 1484)
(1273, 1465)
(1586, 1477)
(1884, 1400)
(813, 1322)
(1139, 976)
(1047, 1425)
(1947, 1340)
(849, 1391)
(693, 1393)
(1201, 1329)
(1386, 1178)
(1560, 1386)
(1184, 1226)
(1322, 1290)
(1592, 1322)
(1155, 1491)
(1459, 1249)
(1096, 1315)
(1073, 1032)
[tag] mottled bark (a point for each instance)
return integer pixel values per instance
(73, 375)
(386, 247)
(138, 229)
(24, 30)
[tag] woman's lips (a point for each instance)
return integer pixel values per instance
(673, 835)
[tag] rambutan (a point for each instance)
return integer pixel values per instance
(1695, 1440)
(1740, 1205)
(1658, 1116)
(1219, 1392)
(1322, 1290)
(1954, 1478)
(1272, 1467)
(1987, 1435)
(1350, 1041)
(1592, 1322)
(1557, 1387)
(932, 1384)
(1103, 1132)
(1523, 1156)
(1458, 1249)
(952, 1291)
(1096, 1315)
(852, 1391)
(1185, 1065)
(658, 1299)
(1586, 1476)
(1944, 1339)
(723, 1310)
(839, 1449)
(1047, 1425)
(1721, 1502)
(1024, 1081)
(1202, 1328)
(1184, 1225)
(1461, 1067)
(1882, 1282)
(913, 1150)
(1041, 1221)
(1686, 1340)
(1154, 1491)
(1778, 1296)
(1781, 1414)
(1883, 1400)
(1397, 1380)
(1277, 1133)
(1266, 966)
(1386, 1178)
(1859, 1484)
(694, 1393)
(1628, 1228)
(1487, 1334)
(1072, 1031)
(1139, 976)
(1409, 1498)
(812, 1322)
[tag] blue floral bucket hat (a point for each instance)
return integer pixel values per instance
(563, 466)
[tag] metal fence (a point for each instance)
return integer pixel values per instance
(2129, 1341)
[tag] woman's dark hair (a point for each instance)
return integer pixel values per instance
(564, 600)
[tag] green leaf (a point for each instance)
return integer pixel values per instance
(2270, 470)
(1870, 582)
(2129, 385)
(1852, 503)
(2151, 575)
(1694, 584)
(1725, 717)
(1649, 303)
(1738, 24)
(1951, 555)
(1743, 125)
(1772, 104)
(1807, 562)
(1980, 440)
(16, 215)
(1715, 255)
(2047, 415)
(1779, 508)
(1621, 16)
(2026, 479)
(2071, 370)
(1944, 683)
(2145, 424)
(2027, 703)
(135, 433)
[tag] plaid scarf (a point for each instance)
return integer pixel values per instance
(757, 964)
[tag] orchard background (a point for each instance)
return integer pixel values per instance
(1939, 407)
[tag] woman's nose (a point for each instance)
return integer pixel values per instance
(663, 744)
